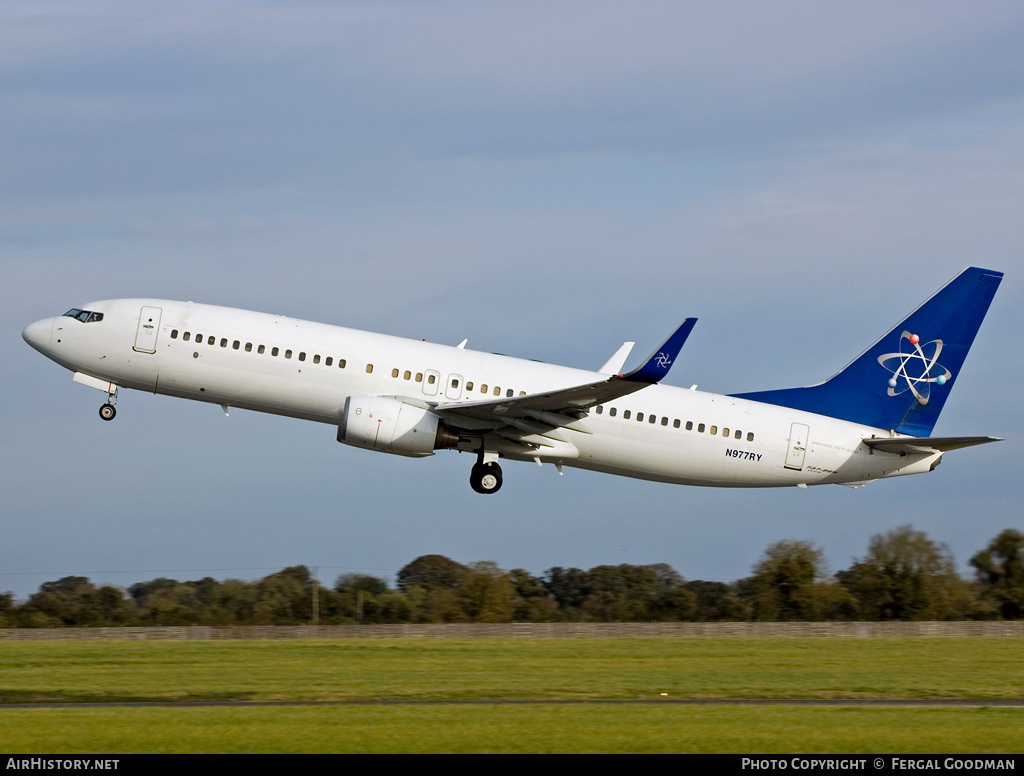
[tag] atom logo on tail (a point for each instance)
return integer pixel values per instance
(916, 370)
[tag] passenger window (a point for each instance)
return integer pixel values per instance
(248, 347)
(640, 417)
(186, 336)
(235, 345)
(626, 414)
(664, 421)
(419, 377)
(199, 339)
(689, 425)
(612, 411)
(599, 409)
(369, 369)
(174, 334)
(675, 423)
(522, 393)
(469, 384)
(431, 379)
(750, 436)
(509, 393)
(302, 356)
(455, 383)
(223, 342)
(714, 430)
(406, 375)
(725, 432)
(700, 428)
(316, 359)
(394, 373)
(328, 361)
(275, 351)
(497, 391)
(261, 349)
(483, 388)
(211, 340)
(739, 434)
(341, 363)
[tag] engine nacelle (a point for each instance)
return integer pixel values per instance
(391, 426)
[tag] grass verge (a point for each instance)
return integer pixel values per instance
(509, 728)
(511, 669)
(439, 669)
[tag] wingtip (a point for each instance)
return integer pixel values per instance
(656, 366)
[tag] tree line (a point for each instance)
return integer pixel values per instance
(903, 576)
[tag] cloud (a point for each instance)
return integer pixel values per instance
(548, 179)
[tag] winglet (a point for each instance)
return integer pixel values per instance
(614, 364)
(656, 366)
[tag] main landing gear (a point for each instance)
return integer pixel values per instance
(485, 477)
(108, 411)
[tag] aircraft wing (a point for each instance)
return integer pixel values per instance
(563, 406)
(912, 445)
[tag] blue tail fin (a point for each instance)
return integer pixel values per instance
(902, 381)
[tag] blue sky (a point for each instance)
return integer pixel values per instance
(546, 179)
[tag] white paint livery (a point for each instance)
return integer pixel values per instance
(411, 398)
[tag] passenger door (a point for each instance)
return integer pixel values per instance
(149, 328)
(798, 436)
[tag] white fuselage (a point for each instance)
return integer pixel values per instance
(307, 370)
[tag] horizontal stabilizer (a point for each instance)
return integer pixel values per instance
(915, 445)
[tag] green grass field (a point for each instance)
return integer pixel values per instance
(512, 728)
(511, 670)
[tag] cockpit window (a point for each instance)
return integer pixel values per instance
(85, 316)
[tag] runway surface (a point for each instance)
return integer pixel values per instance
(931, 702)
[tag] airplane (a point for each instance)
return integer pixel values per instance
(871, 420)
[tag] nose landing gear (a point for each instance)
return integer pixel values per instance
(108, 410)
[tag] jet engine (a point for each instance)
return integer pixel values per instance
(392, 426)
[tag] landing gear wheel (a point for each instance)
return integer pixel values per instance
(108, 411)
(485, 478)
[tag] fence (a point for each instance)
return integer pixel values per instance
(544, 630)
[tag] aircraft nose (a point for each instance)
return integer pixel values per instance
(38, 334)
